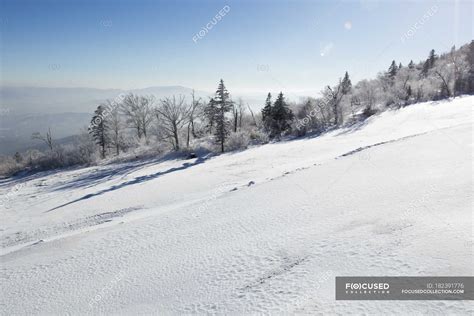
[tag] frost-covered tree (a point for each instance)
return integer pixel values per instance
(115, 124)
(392, 70)
(210, 115)
(367, 93)
(281, 116)
(432, 58)
(195, 111)
(223, 105)
(346, 84)
(334, 97)
(460, 67)
(174, 114)
(237, 114)
(139, 113)
(307, 117)
(267, 113)
(99, 130)
(241, 110)
(47, 138)
(235, 117)
(429, 63)
(85, 147)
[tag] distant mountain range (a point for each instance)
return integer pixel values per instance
(23, 100)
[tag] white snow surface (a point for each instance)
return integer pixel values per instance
(264, 230)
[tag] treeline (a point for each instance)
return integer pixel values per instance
(438, 77)
(173, 123)
(133, 125)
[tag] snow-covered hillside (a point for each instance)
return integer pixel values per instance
(262, 230)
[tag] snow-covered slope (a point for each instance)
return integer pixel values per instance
(262, 230)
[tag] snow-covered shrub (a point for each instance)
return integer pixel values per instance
(9, 166)
(258, 136)
(308, 118)
(206, 142)
(238, 141)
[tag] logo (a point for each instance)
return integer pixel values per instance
(367, 287)
(404, 288)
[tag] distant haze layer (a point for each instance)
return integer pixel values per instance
(25, 110)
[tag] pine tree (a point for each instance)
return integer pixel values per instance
(281, 116)
(400, 66)
(425, 69)
(267, 112)
(99, 129)
(210, 115)
(411, 65)
(432, 58)
(392, 70)
(223, 104)
(346, 84)
(429, 63)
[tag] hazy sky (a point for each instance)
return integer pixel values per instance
(258, 45)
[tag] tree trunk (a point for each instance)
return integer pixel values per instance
(139, 133)
(253, 116)
(187, 139)
(102, 142)
(236, 117)
(445, 84)
(193, 132)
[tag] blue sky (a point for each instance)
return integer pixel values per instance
(257, 46)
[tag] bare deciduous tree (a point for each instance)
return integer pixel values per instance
(367, 93)
(335, 95)
(47, 138)
(237, 113)
(253, 115)
(194, 110)
(115, 127)
(241, 109)
(139, 112)
(174, 114)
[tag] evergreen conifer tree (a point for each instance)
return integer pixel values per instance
(267, 112)
(210, 115)
(392, 70)
(222, 104)
(281, 116)
(98, 129)
(429, 63)
(346, 84)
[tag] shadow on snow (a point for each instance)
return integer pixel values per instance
(137, 180)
